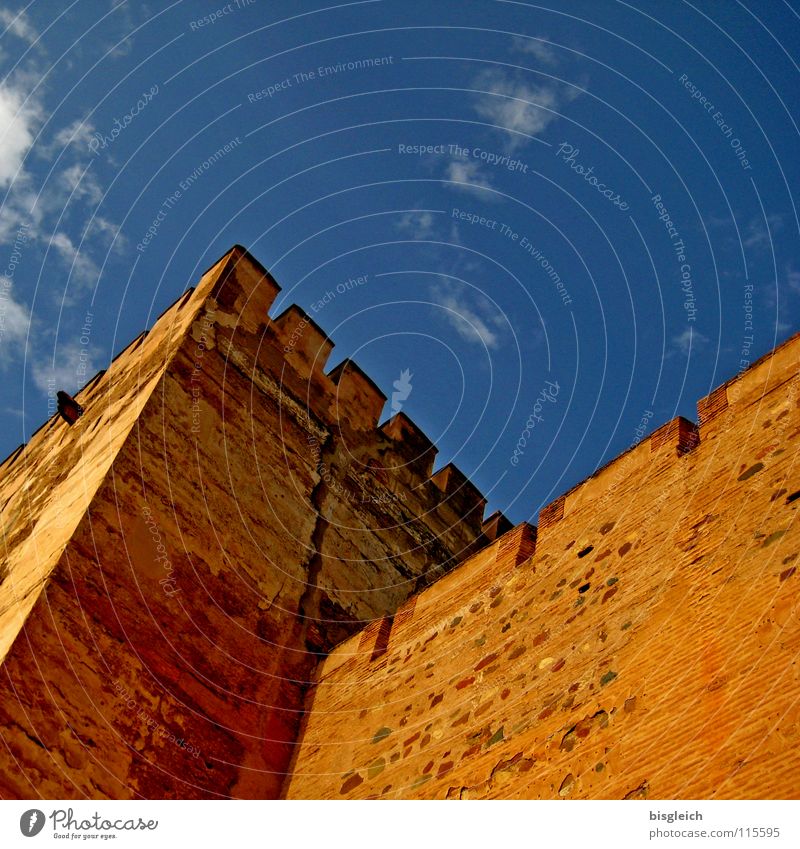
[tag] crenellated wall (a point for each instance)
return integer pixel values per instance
(642, 644)
(228, 579)
(221, 516)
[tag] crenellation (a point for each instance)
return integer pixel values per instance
(495, 526)
(358, 400)
(678, 435)
(460, 496)
(241, 287)
(252, 478)
(410, 442)
(774, 371)
(651, 615)
(305, 346)
(345, 622)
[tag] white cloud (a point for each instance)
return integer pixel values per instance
(538, 48)
(77, 135)
(72, 366)
(42, 167)
(106, 231)
(418, 224)
(126, 25)
(756, 234)
(792, 275)
(17, 24)
(80, 184)
(468, 176)
(83, 269)
(524, 109)
(479, 322)
(14, 322)
(688, 341)
(17, 119)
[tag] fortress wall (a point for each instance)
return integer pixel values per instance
(647, 648)
(252, 516)
(47, 484)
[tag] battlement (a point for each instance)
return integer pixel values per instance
(648, 614)
(674, 439)
(229, 309)
(313, 567)
(775, 371)
(216, 458)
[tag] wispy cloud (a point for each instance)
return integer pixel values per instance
(107, 232)
(72, 366)
(18, 119)
(472, 316)
(792, 275)
(467, 175)
(758, 232)
(18, 24)
(689, 340)
(14, 322)
(536, 47)
(523, 108)
(27, 142)
(75, 136)
(126, 24)
(83, 269)
(417, 223)
(81, 184)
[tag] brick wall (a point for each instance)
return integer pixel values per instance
(647, 648)
(248, 514)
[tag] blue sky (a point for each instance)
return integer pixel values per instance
(572, 220)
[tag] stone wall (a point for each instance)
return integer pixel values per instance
(240, 513)
(647, 647)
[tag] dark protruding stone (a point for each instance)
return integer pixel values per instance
(68, 408)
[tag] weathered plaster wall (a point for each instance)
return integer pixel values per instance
(648, 648)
